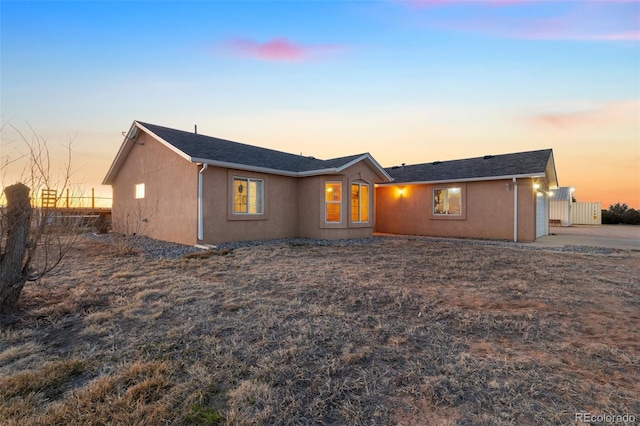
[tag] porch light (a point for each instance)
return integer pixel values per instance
(400, 192)
(536, 186)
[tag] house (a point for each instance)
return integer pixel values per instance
(560, 203)
(194, 189)
(494, 197)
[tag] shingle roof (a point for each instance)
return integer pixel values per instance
(489, 166)
(207, 148)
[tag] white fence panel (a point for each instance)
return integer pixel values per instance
(560, 212)
(586, 213)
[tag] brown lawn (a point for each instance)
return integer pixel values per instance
(400, 331)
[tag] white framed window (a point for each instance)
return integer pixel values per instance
(139, 191)
(333, 202)
(447, 201)
(359, 202)
(248, 196)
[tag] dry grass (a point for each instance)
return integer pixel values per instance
(402, 331)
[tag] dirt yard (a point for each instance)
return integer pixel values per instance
(398, 331)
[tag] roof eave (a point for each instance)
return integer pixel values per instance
(245, 167)
(372, 162)
(125, 147)
(551, 170)
(478, 179)
(306, 173)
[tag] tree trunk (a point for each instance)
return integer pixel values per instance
(13, 271)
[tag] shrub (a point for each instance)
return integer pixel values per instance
(631, 217)
(620, 213)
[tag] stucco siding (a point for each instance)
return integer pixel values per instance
(487, 210)
(168, 210)
(221, 224)
(311, 190)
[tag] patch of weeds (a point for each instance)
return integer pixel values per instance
(48, 379)
(199, 415)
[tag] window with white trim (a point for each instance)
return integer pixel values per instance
(139, 191)
(359, 202)
(248, 196)
(447, 201)
(333, 202)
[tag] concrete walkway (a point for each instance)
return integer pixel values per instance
(625, 237)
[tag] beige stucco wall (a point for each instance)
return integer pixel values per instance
(169, 209)
(487, 210)
(311, 207)
(293, 207)
(279, 219)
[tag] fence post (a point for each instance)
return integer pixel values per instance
(67, 197)
(93, 199)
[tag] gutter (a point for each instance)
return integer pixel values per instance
(200, 203)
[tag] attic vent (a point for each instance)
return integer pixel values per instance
(395, 167)
(436, 162)
(486, 157)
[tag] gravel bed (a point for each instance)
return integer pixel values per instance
(157, 249)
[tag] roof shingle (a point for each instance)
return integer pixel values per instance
(214, 149)
(517, 164)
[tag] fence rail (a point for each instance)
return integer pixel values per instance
(49, 198)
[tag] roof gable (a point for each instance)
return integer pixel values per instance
(522, 164)
(199, 148)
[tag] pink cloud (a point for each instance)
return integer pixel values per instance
(279, 49)
(557, 30)
(608, 113)
(589, 20)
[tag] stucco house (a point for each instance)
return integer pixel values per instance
(495, 197)
(194, 189)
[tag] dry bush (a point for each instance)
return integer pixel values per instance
(397, 331)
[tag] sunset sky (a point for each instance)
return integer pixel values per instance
(408, 81)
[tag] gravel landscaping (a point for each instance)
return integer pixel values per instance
(157, 249)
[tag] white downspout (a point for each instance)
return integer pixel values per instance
(200, 206)
(515, 210)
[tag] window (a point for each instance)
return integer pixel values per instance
(333, 201)
(139, 191)
(359, 202)
(447, 201)
(248, 195)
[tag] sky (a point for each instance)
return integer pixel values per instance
(409, 81)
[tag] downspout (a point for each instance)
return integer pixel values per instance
(515, 210)
(200, 203)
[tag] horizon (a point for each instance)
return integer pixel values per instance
(410, 82)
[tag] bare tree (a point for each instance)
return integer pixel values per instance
(32, 243)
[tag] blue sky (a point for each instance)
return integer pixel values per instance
(409, 81)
